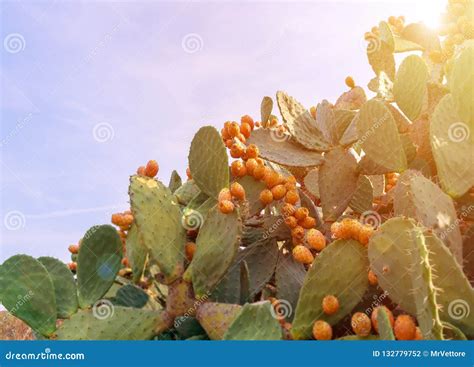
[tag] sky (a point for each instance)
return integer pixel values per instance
(90, 90)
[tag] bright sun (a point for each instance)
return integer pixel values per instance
(427, 11)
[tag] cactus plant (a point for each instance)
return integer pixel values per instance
(284, 243)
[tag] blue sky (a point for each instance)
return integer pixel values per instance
(91, 90)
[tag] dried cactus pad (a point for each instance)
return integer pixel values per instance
(27, 291)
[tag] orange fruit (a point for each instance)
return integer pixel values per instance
(361, 324)
(278, 192)
(224, 194)
(404, 328)
(322, 330)
(301, 213)
(237, 191)
(266, 197)
(330, 305)
(190, 249)
(292, 197)
(308, 222)
(151, 169)
(302, 255)
(316, 239)
(226, 206)
(372, 278)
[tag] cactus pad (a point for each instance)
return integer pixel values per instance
(175, 181)
(98, 263)
(159, 222)
(461, 82)
(216, 318)
(363, 195)
(384, 326)
(27, 292)
(330, 275)
(136, 252)
(208, 161)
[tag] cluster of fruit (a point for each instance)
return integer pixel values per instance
(404, 327)
(391, 180)
(227, 197)
(349, 228)
(456, 27)
(397, 24)
(150, 170)
(74, 250)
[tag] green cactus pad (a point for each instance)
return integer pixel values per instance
(363, 195)
(197, 201)
(326, 122)
(180, 300)
(244, 295)
(282, 151)
(136, 252)
(330, 275)
(337, 182)
(228, 288)
(159, 221)
(300, 123)
(131, 296)
(216, 318)
(252, 188)
(384, 325)
(409, 88)
(380, 57)
(399, 257)
(289, 277)
(217, 245)
(456, 296)
(266, 108)
(419, 198)
(461, 83)
(451, 332)
(27, 292)
(109, 322)
(452, 143)
(379, 136)
(98, 263)
(208, 161)
(65, 289)
(256, 321)
(261, 258)
(175, 181)
(186, 192)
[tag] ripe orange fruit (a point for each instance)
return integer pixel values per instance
(151, 169)
(308, 222)
(372, 278)
(236, 151)
(73, 249)
(350, 82)
(252, 151)
(291, 222)
(189, 250)
(245, 129)
(312, 111)
(404, 328)
(229, 143)
(141, 171)
(292, 197)
(287, 210)
(251, 164)
(278, 192)
(298, 232)
(271, 177)
(226, 206)
(349, 228)
(72, 266)
(336, 230)
(237, 191)
(418, 334)
(360, 324)
(117, 219)
(365, 233)
(259, 171)
(248, 120)
(233, 129)
(316, 239)
(125, 262)
(224, 194)
(330, 305)
(301, 213)
(188, 174)
(373, 317)
(127, 220)
(225, 134)
(302, 255)
(238, 169)
(266, 197)
(322, 330)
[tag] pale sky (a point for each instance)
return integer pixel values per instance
(90, 90)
